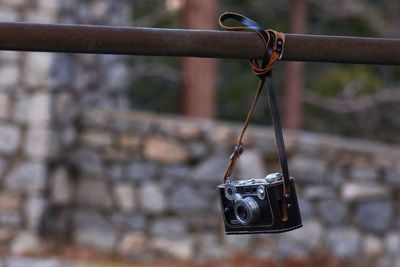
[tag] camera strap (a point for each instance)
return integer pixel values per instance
(274, 42)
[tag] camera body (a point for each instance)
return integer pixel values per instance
(256, 206)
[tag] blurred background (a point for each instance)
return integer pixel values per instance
(351, 100)
(109, 160)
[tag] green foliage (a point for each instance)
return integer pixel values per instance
(340, 26)
(142, 8)
(155, 93)
(150, 90)
(239, 85)
(333, 80)
(154, 14)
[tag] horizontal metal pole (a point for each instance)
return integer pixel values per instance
(194, 43)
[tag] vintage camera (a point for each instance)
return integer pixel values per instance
(256, 206)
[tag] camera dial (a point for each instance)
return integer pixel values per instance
(261, 192)
(230, 191)
(246, 210)
(273, 177)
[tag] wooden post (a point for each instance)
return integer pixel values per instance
(294, 73)
(199, 74)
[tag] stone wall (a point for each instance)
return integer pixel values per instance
(25, 131)
(143, 185)
(41, 98)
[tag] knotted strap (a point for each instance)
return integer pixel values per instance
(274, 42)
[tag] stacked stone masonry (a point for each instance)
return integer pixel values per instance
(143, 185)
(25, 133)
(41, 97)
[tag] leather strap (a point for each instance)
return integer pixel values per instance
(274, 42)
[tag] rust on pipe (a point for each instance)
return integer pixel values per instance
(196, 43)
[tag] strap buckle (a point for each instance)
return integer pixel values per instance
(237, 151)
(279, 47)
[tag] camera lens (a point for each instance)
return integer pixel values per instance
(242, 213)
(246, 211)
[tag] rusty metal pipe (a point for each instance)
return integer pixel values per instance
(195, 43)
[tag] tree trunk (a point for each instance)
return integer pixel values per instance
(294, 73)
(199, 74)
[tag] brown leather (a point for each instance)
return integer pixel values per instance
(275, 44)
